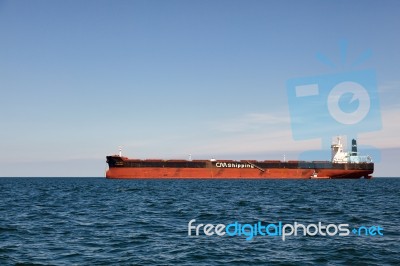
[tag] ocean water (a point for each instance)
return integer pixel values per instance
(95, 221)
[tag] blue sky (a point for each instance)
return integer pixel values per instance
(165, 79)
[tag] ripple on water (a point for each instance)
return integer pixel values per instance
(61, 221)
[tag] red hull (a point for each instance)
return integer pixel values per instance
(231, 173)
(342, 165)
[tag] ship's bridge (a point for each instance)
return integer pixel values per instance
(340, 156)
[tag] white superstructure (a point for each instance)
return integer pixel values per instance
(340, 156)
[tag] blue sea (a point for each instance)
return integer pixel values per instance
(95, 221)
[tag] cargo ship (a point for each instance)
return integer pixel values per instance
(343, 165)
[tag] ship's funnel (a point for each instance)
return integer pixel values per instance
(354, 147)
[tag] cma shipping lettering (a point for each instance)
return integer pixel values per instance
(233, 165)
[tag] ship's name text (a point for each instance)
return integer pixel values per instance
(233, 165)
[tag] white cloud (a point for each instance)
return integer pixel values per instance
(252, 121)
(251, 133)
(265, 142)
(388, 137)
(268, 133)
(389, 86)
(254, 133)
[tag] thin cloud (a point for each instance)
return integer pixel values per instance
(252, 121)
(263, 142)
(388, 137)
(390, 86)
(254, 133)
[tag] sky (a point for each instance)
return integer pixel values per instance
(165, 79)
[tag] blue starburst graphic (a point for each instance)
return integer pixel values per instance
(344, 103)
